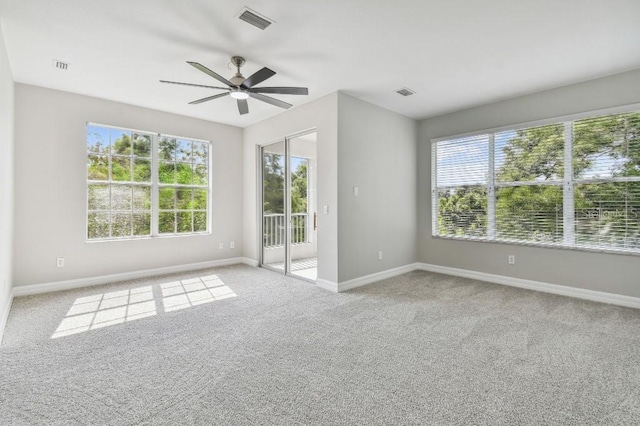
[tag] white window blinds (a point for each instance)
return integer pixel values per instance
(606, 173)
(573, 184)
(529, 167)
(462, 173)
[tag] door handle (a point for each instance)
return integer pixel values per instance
(315, 221)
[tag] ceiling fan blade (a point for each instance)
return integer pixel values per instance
(270, 100)
(243, 106)
(194, 85)
(282, 90)
(211, 73)
(258, 77)
(209, 98)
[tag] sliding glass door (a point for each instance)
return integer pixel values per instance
(275, 233)
(289, 215)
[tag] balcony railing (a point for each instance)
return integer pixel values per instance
(273, 227)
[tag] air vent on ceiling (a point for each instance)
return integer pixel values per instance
(254, 18)
(60, 65)
(405, 92)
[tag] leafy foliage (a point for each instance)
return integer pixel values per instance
(118, 159)
(536, 153)
(606, 213)
(273, 183)
(299, 184)
(273, 187)
(463, 212)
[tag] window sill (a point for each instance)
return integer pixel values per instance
(156, 237)
(540, 245)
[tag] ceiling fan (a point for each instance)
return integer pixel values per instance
(241, 88)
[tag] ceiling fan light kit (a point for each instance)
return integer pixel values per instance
(239, 94)
(241, 88)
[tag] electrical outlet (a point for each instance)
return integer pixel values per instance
(221, 246)
(60, 262)
(380, 255)
(232, 244)
(512, 259)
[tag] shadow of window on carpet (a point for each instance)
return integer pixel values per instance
(105, 309)
(195, 291)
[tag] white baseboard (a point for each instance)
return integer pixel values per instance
(4, 315)
(105, 279)
(580, 293)
(249, 261)
(371, 278)
(597, 296)
(327, 285)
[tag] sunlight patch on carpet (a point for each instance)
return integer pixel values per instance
(105, 309)
(117, 307)
(192, 292)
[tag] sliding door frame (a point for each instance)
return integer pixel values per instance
(287, 200)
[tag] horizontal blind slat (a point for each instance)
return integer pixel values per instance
(529, 172)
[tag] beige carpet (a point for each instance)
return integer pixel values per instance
(242, 345)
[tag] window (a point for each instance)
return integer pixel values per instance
(299, 200)
(183, 185)
(141, 184)
(570, 184)
(273, 184)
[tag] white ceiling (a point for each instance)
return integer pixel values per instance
(454, 53)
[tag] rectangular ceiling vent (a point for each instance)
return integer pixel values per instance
(405, 92)
(254, 18)
(60, 65)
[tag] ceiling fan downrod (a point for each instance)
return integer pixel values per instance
(237, 61)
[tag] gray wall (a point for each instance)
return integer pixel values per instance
(595, 271)
(377, 154)
(50, 186)
(6, 177)
(321, 114)
(358, 144)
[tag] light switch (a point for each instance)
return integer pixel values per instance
(325, 209)
(355, 191)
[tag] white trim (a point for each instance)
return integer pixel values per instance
(579, 293)
(4, 315)
(28, 290)
(543, 122)
(290, 136)
(327, 285)
(287, 206)
(378, 276)
(109, 126)
(568, 200)
(154, 185)
(568, 231)
(491, 189)
(259, 236)
(575, 292)
(249, 261)
(590, 249)
(155, 191)
(434, 189)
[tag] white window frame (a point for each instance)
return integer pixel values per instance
(154, 185)
(568, 182)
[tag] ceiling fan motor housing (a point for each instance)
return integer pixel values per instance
(237, 61)
(237, 79)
